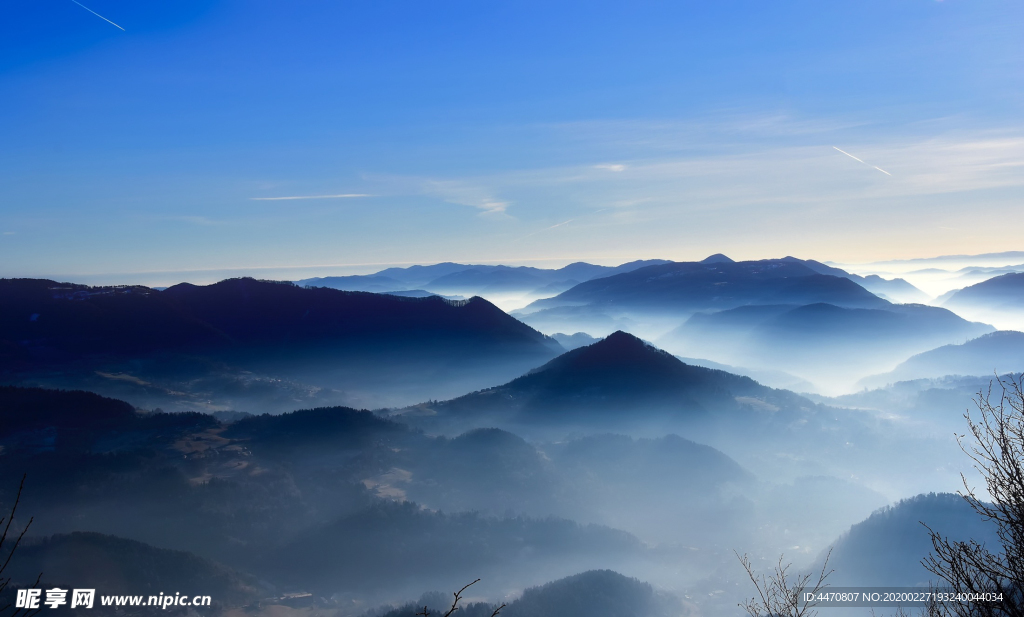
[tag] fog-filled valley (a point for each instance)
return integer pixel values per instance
(365, 445)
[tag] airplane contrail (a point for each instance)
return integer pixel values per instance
(868, 164)
(546, 228)
(342, 196)
(98, 15)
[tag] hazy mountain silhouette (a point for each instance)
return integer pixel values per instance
(1005, 292)
(794, 338)
(373, 283)
(52, 321)
(616, 374)
(773, 378)
(612, 385)
(895, 290)
(886, 549)
(113, 565)
(475, 279)
(308, 499)
(34, 420)
(999, 352)
(940, 401)
(595, 593)
(718, 285)
(717, 258)
(574, 341)
(386, 547)
(154, 344)
(976, 274)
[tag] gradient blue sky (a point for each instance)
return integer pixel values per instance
(519, 132)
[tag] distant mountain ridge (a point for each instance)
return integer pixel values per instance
(150, 346)
(792, 338)
(887, 547)
(113, 565)
(718, 285)
(1004, 292)
(999, 352)
(50, 319)
(595, 593)
(468, 278)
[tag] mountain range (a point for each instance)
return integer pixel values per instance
(1000, 293)
(716, 285)
(1000, 352)
(191, 343)
(471, 279)
(795, 338)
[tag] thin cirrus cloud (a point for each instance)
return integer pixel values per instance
(466, 194)
(294, 197)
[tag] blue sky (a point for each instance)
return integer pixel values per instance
(519, 132)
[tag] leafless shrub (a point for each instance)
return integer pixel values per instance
(6, 523)
(779, 593)
(996, 447)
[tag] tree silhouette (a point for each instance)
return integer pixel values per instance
(996, 447)
(455, 603)
(779, 593)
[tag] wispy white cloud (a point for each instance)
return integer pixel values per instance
(611, 167)
(292, 197)
(466, 194)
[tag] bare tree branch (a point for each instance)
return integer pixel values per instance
(778, 593)
(6, 522)
(996, 450)
(455, 603)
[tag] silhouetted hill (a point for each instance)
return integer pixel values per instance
(886, 549)
(40, 420)
(999, 352)
(389, 544)
(1004, 292)
(24, 409)
(620, 375)
(574, 341)
(113, 565)
(335, 428)
(596, 593)
(717, 258)
(250, 344)
(246, 310)
(695, 286)
(57, 321)
(793, 338)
